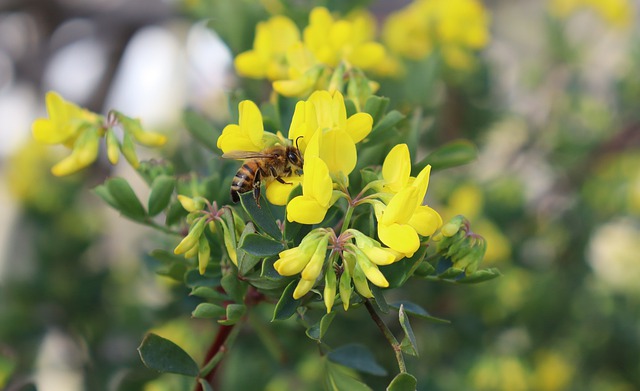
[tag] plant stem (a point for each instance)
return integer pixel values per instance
(395, 345)
(347, 219)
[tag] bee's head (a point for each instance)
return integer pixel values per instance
(295, 157)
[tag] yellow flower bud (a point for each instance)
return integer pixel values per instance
(329, 288)
(204, 252)
(192, 238)
(302, 288)
(113, 147)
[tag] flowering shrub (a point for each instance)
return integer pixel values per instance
(337, 229)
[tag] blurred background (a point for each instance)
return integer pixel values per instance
(552, 104)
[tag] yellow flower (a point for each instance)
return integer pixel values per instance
(404, 217)
(458, 27)
(396, 168)
(268, 58)
(334, 40)
(278, 193)
(65, 123)
(248, 134)
(306, 259)
(317, 190)
(303, 72)
(337, 135)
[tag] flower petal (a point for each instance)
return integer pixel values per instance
(396, 168)
(367, 55)
(425, 220)
(359, 126)
(250, 64)
(278, 193)
(401, 207)
(305, 210)
(399, 237)
(317, 182)
(338, 151)
(250, 121)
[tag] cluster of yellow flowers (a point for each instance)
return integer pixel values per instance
(298, 64)
(81, 130)
(616, 12)
(328, 141)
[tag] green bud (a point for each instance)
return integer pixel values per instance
(204, 252)
(192, 238)
(129, 151)
(360, 282)
(329, 288)
(345, 283)
(113, 147)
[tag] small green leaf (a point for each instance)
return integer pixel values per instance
(403, 382)
(193, 278)
(340, 378)
(201, 129)
(453, 154)
(126, 200)
(160, 196)
(399, 272)
(380, 300)
(162, 355)
(358, 357)
(287, 305)
(261, 246)
(410, 346)
(318, 330)
(208, 311)
(425, 269)
(246, 261)
(451, 273)
(415, 310)
(380, 131)
(480, 276)
(262, 216)
(208, 293)
(102, 192)
(175, 214)
(234, 313)
(234, 287)
(376, 106)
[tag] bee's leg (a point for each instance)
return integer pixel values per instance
(274, 174)
(256, 186)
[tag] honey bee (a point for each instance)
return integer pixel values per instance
(276, 162)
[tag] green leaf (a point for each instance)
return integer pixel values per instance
(163, 355)
(376, 106)
(246, 261)
(358, 357)
(208, 293)
(208, 311)
(480, 276)
(287, 305)
(380, 300)
(165, 256)
(409, 344)
(193, 278)
(340, 378)
(415, 310)
(234, 287)
(234, 313)
(261, 246)
(403, 382)
(425, 269)
(262, 216)
(175, 214)
(268, 271)
(450, 273)
(399, 272)
(102, 192)
(126, 200)
(380, 131)
(160, 196)
(291, 228)
(453, 154)
(201, 129)
(318, 330)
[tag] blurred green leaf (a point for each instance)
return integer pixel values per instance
(205, 385)
(201, 129)
(287, 305)
(340, 378)
(380, 131)
(415, 310)
(208, 311)
(126, 200)
(193, 278)
(175, 214)
(317, 330)
(262, 216)
(163, 355)
(260, 246)
(160, 196)
(409, 344)
(480, 276)
(234, 313)
(453, 154)
(403, 382)
(358, 357)
(208, 293)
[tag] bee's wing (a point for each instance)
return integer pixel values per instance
(242, 155)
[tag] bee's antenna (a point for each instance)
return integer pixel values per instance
(298, 138)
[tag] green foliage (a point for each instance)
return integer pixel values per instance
(162, 355)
